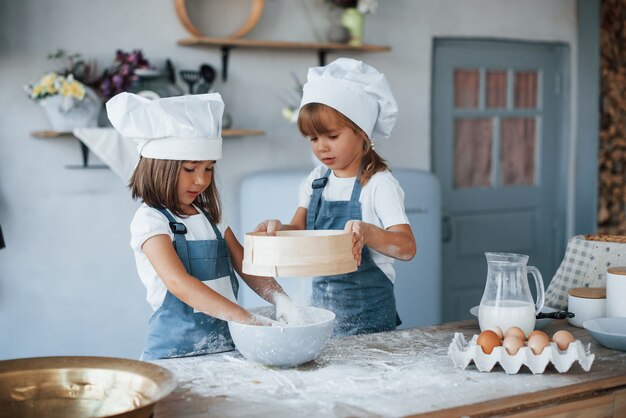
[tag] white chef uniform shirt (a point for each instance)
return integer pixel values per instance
(149, 222)
(382, 204)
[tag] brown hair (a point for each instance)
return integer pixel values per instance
(155, 182)
(318, 119)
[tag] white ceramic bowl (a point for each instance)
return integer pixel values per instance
(587, 307)
(286, 346)
(610, 332)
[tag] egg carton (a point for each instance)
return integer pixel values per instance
(464, 353)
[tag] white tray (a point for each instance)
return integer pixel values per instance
(463, 353)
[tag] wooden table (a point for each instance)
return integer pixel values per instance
(400, 373)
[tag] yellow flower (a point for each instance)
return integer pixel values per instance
(48, 80)
(52, 84)
(36, 92)
(74, 89)
(287, 113)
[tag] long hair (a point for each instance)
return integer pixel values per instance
(319, 119)
(155, 182)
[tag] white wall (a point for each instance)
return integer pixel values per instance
(67, 278)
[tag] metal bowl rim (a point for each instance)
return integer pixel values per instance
(163, 378)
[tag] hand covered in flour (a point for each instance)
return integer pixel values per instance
(359, 231)
(270, 226)
(264, 321)
(287, 312)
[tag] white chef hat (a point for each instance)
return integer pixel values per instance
(358, 91)
(173, 128)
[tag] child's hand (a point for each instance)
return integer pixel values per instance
(358, 229)
(270, 226)
(288, 312)
(263, 321)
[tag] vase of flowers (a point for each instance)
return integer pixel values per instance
(68, 102)
(354, 21)
(353, 17)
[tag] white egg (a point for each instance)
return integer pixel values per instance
(512, 344)
(538, 342)
(563, 339)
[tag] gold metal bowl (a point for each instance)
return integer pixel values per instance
(81, 387)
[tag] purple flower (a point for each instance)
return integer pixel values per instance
(120, 76)
(119, 55)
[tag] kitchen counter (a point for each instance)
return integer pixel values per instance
(399, 373)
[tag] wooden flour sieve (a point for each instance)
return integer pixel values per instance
(298, 253)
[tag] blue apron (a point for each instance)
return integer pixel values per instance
(174, 330)
(363, 301)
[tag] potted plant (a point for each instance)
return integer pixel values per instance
(353, 17)
(65, 95)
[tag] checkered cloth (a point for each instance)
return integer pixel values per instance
(584, 265)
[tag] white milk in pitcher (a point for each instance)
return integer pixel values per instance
(510, 313)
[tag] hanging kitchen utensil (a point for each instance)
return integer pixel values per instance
(208, 74)
(190, 77)
(170, 73)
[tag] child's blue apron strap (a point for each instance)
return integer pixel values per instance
(218, 234)
(318, 188)
(218, 237)
(179, 237)
(355, 205)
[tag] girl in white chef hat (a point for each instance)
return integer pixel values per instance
(346, 106)
(184, 251)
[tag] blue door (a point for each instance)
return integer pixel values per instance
(497, 150)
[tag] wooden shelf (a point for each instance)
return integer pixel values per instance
(322, 48)
(50, 134)
(226, 133)
(254, 43)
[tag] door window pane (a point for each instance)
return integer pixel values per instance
(466, 83)
(472, 152)
(517, 151)
(526, 89)
(496, 89)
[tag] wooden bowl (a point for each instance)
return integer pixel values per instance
(298, 253)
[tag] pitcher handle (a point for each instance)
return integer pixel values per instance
(539, 286)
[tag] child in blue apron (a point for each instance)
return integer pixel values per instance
(184, 251)
(347, 105)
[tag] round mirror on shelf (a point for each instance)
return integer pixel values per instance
(256, 10)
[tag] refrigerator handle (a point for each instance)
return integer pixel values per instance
(446, 229)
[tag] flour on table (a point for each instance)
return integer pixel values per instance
(384, 374)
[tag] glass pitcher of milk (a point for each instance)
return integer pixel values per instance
(507, 300)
